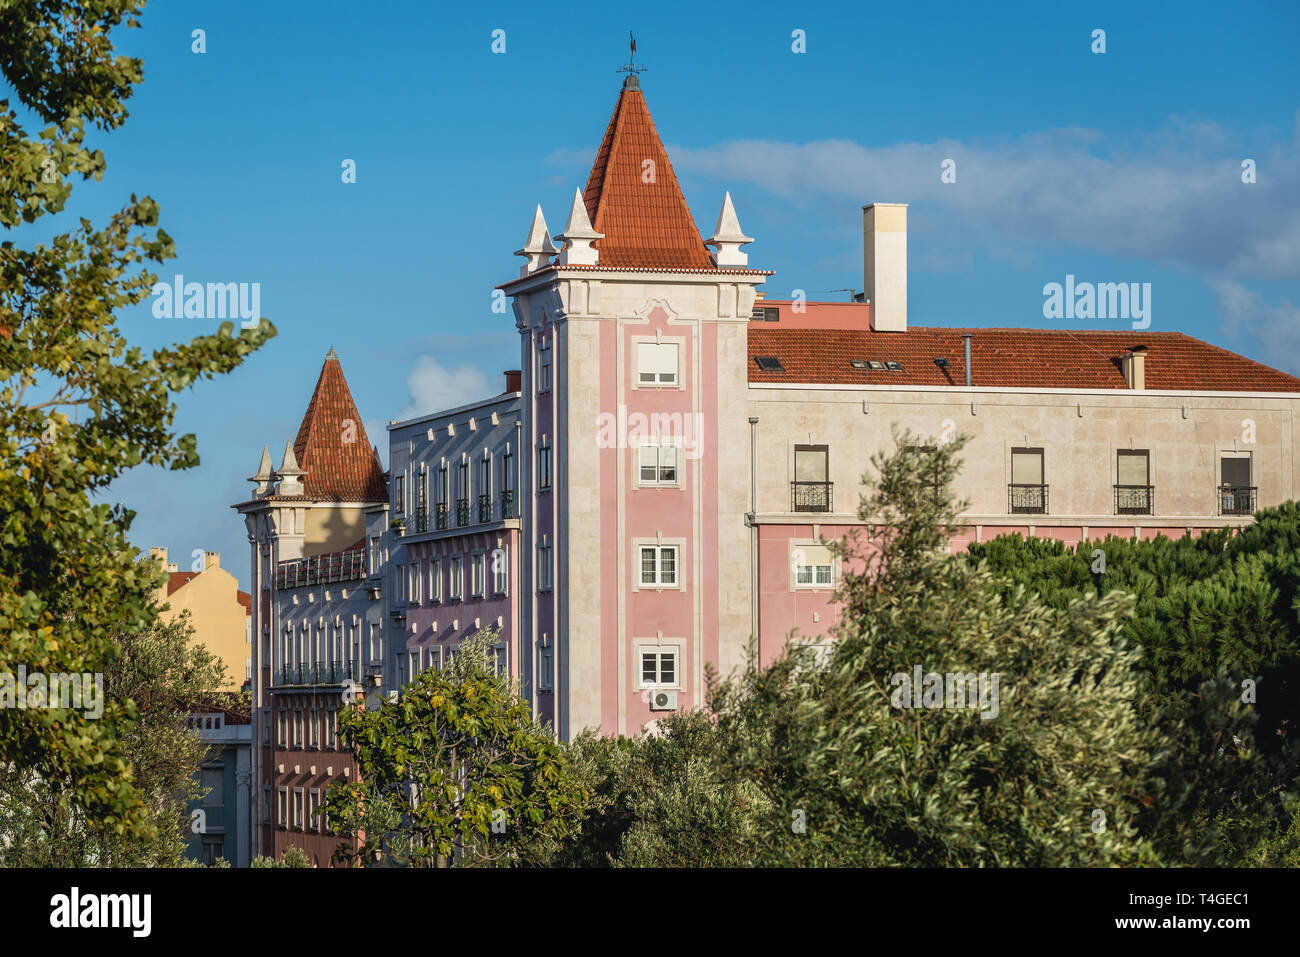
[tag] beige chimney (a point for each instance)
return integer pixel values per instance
(211, 560)
(1134, 365)
(884, 253)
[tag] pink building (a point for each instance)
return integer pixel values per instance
(694, 446)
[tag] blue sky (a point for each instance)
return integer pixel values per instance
(1122, 166)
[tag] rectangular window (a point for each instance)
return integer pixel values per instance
(456, 581)
(659, 565)
(435, 580)
(374, 555)
(1133, 493)
(1234, 469)
(500, 571)
(313, 809)
(543, 466)
(544, 568)
(413, 571)
(415, 664)
(282, 729)
(313, 729)
(545, 665)
(656, 363)
(434, 657)
(297, 728)
(1236, 493)
(811, 490)
(332, 730)
(399, 494)
(476, 575)
(658, 666)
(282, 808)
(297, 808)
(813, 566)
(399, 581)
(1028, 491)
(658, 464)
(544, 367)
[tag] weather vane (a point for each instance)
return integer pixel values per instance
(631, 63)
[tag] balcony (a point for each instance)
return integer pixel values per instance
(508, 503)
(321, 673)
(811, 496)
(485, 508)
(441, 514)
(1237, 499)
(421, 518)
(462, 511)
(1025, 499)
(1135, 499)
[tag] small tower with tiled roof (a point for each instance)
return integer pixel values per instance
(634, 314)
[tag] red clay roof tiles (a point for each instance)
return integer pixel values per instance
(1007, 358)
(332, 447)
(644, 217)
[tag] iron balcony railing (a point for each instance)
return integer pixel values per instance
(321, 673)
(1023, 499)
(507, 503)
(1135, 499)
(421, 518)
(321, 569)
(485, 508)
(462, 511)
(1237, 499)
(442, 515)
(811, 496)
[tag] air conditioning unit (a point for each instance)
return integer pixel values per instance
(663, 700)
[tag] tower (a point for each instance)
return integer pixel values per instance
(633, 345)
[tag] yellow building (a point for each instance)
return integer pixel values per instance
(219, 612)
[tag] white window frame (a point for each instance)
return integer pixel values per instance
(656, 452)
(500, 578)
(478, 575)
(456, 579)
(413, 573)
(435, 580)
(659, 649)
(659, 382)
(813, 584)
(545, 565)
(545, 466)
(298, 801)
(545, 664)
(544, 366)
(313, 809)
(678, 545)
(282, 808)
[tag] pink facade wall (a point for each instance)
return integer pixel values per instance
(786, 610)
(421, 617)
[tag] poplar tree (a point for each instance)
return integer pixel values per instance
(79, 405)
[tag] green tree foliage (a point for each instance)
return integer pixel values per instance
(168, 678)
(1212, 612)
(456, 771)
(810, 762)
(78, 404)
(292, 857)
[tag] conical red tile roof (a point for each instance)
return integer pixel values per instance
(340, 464)
(646, 224)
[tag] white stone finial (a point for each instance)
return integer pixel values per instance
(728, 238)
(288, 473)
(578, 236)
(263, 478)
(538, 247)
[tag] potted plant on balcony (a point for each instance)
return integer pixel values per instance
(398, 525)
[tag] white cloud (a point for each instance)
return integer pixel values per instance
(1275, 328)
(1173, 196)
(434, 388)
